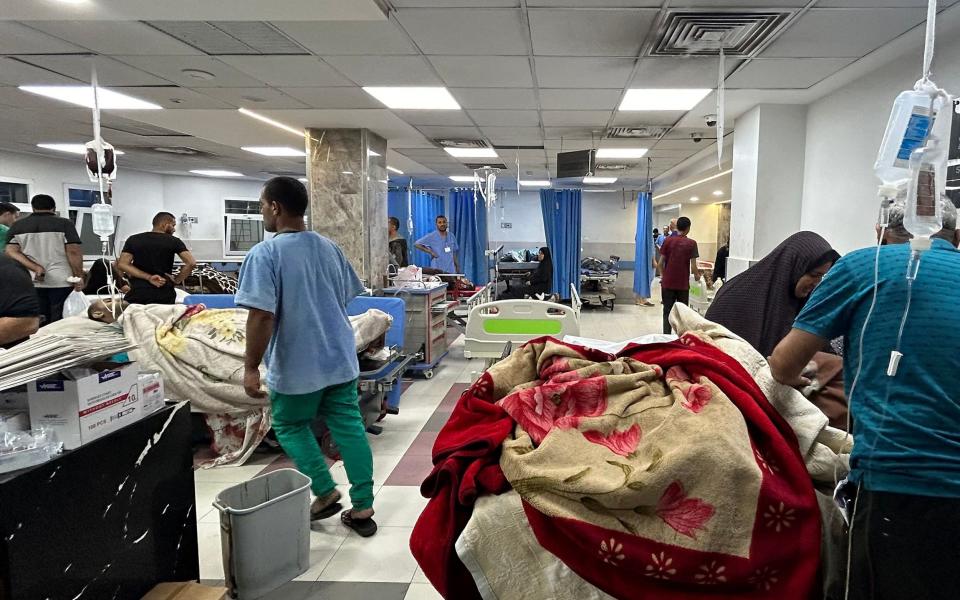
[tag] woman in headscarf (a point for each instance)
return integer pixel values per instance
(541, 280)
(761, 304)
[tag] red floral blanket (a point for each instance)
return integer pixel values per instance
(660, 473)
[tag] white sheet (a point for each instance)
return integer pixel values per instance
(615, 347)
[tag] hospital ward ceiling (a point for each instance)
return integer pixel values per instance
(532, 77)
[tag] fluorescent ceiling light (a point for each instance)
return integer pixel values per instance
(269, 121)
(690, 185)
(535, 182)
(72, 148)
(621, 152)
(372, 153)
(82, 95)
(216, 173)
(414, 98)
(397, 171)
(472, 152)
(599, 180)
(274, 150)
(662, 99)
(463, 178)
(346, 172)
(718, 193)
(303, 179)
(694, 199)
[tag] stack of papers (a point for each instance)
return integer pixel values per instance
(45, 355)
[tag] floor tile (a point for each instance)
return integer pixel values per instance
(411, 470)
(211, 554)
(383, 465)
(385, 557)
(391, 441)
(419, 577)
(422, 591)
(399, 506)
(326, 537)
(205, 493)
(227, 474)
(437, 421)
(423, 444)
(334, 590)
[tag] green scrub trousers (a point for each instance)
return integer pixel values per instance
(337, 404)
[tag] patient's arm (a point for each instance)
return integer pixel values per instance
(792, 354)
(17, 328)
(259, 330)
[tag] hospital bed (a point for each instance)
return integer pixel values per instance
(597, 280)
(493, 325)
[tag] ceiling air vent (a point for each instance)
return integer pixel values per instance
(458, 143)
(693, 32)
(637, 132)
(181, 151)
(476, 166)
(609, 167)
(230, 37)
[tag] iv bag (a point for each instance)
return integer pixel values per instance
(106, 159)
(908, 128)
(103, 224)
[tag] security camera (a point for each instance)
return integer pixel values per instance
(696, 137)
(711, 120)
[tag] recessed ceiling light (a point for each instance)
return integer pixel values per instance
(372, 153)
(346, 172)
(694, 199)
(397, 171)
(73, 1)
(599, 180)
(269, 121)
(621, 152)
(463, 178)
(472, 152)
(216, 173)
(718, 192)
(535, 182)
(71, 148)
(274, 150)
(82, 95)
(662, 99)
(414, 98)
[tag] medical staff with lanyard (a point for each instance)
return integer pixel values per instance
(442, 247)
(905, 535)
(297, 286)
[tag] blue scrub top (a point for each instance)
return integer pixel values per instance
(444, 247)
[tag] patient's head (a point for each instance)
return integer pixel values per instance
(103, 310)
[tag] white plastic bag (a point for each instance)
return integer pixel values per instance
(75, 305)
(410, 277)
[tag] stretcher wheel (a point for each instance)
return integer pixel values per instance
(329, 447)
(428, 374)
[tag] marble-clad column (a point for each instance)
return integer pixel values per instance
(347, 174)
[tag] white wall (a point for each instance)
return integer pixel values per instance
(138, 196)
(844, 131)
(525, 218)
(704, 219)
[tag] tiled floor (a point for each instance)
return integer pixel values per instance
(344, 565)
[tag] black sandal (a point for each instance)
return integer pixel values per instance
(363, 527)
(326, 512)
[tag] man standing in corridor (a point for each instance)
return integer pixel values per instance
(678, 259)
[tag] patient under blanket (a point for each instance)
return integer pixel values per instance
(660, 472)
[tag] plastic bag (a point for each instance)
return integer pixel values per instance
(409, 277)
(75, 305)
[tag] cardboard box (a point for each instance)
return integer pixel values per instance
(185, 591)
(151, 392)
(14, 420)
(14, 398)
(86, 408)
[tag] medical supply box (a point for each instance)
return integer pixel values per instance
(151, 392)
(85, 404)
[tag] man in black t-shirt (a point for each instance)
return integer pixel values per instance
(148, 259)
(19, 307)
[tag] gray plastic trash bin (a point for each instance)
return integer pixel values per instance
(264, 532)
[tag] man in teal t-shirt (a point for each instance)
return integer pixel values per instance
(8, 215)
(906, 453)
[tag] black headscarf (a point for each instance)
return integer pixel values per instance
(760, 305)
(542, 279)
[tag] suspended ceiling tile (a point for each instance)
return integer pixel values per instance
(670, 153)
(109, 72)
(432, 132)
(456, 3)
(786, 73)
(505, 118)
(520, 136)
(754, 4)
(447, 118)
(172, 69)
(332, 97)
(14, 72)
(385, 70)
(173, 97)
(432, 154)
(680, 72)
(942, 4)
(555, 72)
(579, 99)
(844, 33)
(115, 37)
(287, 70)
(589, 32)
(597, 4)
(484, 71)
(21, 39)
(573, 133)
(466, 31)
(358, 37)
(681, 144)
(256, 98)
(575, 118)
(554, 145)
(640, 118)
(495, 98)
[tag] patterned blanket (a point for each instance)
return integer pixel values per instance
(662, 472)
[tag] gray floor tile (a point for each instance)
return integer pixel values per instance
(338, 590)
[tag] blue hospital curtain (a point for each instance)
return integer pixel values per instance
(643, 259)
(397, 207)
(426, 207)
(468, 222)
(561, 222)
